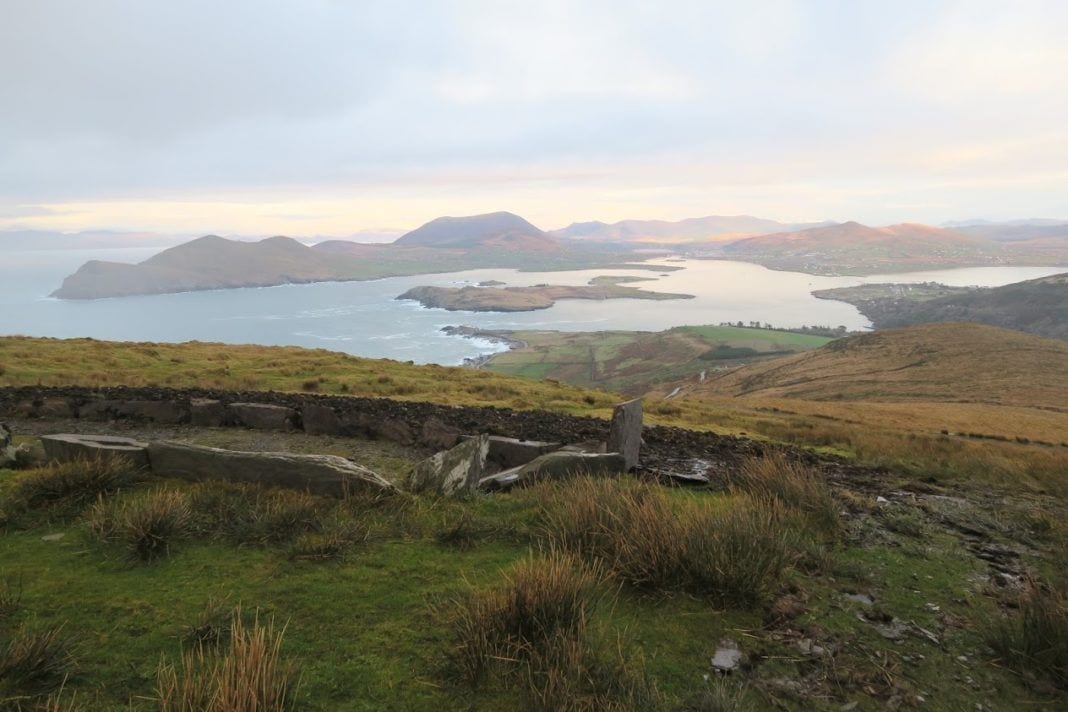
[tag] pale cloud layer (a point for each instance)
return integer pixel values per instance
(315, 117)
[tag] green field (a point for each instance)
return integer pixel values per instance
(635, 362)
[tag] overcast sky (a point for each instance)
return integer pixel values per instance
(317, 117)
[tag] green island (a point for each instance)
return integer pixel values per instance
(542, 296)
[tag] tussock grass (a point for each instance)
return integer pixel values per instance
(796, 486)
(33, 661)
(337, 537)
(64, 489)
(646, 538)
(535, 631)
(1035, 640)
(248, 675)
(147, 524)
(250, 514)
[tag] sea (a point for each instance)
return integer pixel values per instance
(366, 319)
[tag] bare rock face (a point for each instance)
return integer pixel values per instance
(67, 446)
(555, 465)
(320, 420)
(262, 416)
(322, 474)
(207, 412)
(625, 435)
(452, 473)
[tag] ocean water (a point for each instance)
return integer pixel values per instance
(365, 319)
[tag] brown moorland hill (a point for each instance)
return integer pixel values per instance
(949, 362)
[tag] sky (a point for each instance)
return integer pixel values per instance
(320, 117)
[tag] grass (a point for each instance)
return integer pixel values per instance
(248, 675)
(33, 659)
(87, 362)
(146, 525)
(1034, 639)
(64, 489)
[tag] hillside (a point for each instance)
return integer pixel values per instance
(209, 262)
(859, 249)
(949, 363)
(501, 230)
(1038, 306)
(712, 227)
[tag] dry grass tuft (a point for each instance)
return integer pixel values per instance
(795, 485)
(1035, 640)
(646, 538)
(65, 488)
(34, 660)
(248, 676)
(147, 525)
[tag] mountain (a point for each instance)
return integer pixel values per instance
(1037, 306)
(946, 363)
(711, 227)
(209, 262)
(501, 230)
(855, 248)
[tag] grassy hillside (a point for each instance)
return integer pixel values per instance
(634, 362)
(953, 363)
(56, 362)
(1037, 306)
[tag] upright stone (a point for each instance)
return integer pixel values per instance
(452, 473)
(625, 436)
(8, 452)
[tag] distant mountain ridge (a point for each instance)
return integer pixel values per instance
(691, 229)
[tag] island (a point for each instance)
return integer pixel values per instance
(520, 299)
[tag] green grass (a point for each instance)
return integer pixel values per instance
(367, 629)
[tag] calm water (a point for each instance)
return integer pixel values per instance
(364, 318)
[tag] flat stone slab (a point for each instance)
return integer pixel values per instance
(507, 453)
(625, 434)
(452, 473)
(321, 474)
(554, 465)
(65, 447)
(263, 416)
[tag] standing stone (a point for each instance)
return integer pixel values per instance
(263, 416)
(207, 412)
(625, 436)
(320, 419)
(452, 473)
(8, 452)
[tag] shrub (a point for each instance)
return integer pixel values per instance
(32, 661)
(1035, 639)
(147, 525)
(66, 488)
(249, 675)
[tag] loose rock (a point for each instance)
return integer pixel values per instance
(452, 473)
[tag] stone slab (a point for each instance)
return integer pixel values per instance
(65, 447)
(625, 434)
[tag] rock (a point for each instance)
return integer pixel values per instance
(262, 416)
(65, 447)
(436, 434)
(168, 412)
(861, 598)
(54, 408)
(554, 465)
(207, 412)
(452, 473)
(507, 453)
(53, 537)
(322, 474)
(96, 409)
(625, 435)
(727, 657)
(320, 420)
(394, 430)
(591, 446)
(8, 451)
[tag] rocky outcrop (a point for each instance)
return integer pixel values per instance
(322, 474)
(65, 447)
(555, 465)
(625, 433)
(452, 473)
